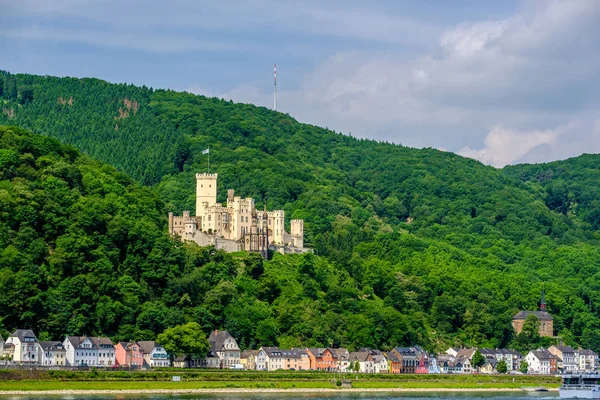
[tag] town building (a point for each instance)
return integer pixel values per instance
(322, 359)
(80, 351)
(395, 364)
(408, 357)
(546, 322)
(53, 353)
(23, 347)
(567, 361)
(588, 360)
(224, 351)
(342, 358)
(129, 354)
(279, 359)
(538, 362)
(262, 360)
(365, 361)
(106, 351)
(154, 354)
(248, 359)
(237, 225)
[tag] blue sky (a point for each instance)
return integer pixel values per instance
(502, 81)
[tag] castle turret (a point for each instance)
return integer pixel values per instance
(297, 233)
(206, 192)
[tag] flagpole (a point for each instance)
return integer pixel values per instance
(209, 160)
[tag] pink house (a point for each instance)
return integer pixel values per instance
(129, 354)
(423, 366)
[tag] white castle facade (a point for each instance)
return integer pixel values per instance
(236, 226)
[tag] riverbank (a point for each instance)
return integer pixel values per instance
(15, 387)
(253, 391)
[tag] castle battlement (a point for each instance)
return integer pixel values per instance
(207, 176)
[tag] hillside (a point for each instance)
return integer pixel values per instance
(454, 246)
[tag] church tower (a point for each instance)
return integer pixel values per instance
(206, 192)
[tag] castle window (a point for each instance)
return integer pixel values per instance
(201, 186)
(209, 218)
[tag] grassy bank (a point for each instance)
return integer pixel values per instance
(162, 380)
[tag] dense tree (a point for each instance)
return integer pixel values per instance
(414, 246)
(524, 367)
(188, 340)
(478, 360)
(501, 367)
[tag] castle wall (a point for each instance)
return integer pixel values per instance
(546, 328)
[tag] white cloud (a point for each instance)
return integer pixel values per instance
(534, 71)
(504, 146)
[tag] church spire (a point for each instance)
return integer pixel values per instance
(543, 303)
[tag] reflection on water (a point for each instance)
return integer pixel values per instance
(304, 396)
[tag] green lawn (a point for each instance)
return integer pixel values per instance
(140, 385)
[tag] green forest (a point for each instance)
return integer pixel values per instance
(413, 246)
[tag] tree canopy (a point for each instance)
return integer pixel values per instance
(414, 246)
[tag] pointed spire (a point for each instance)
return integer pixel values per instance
(543, 303)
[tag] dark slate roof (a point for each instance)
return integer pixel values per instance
(101, 341)
(406, 351)
(249, 353)
(148, 345)
(76, 341)
(541, 315)
(52, 346)
(274, 352)
(585, 352)
(23, 333)
(217, 340)
(565, 349)
(392, 356)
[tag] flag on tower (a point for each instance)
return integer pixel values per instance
(205, 151)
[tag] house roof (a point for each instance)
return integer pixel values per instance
(466, 353)
(148, 345)
(565, 349)
(391, 356)
(541, 315)
(101, 341)
(360, 356)
(585, 352)
(541, 355)
(406, 351)
(249, 353)
(76, 341)
(217, 340)
(341, 353)
(23, 333)
(318, 351)
(52, 346)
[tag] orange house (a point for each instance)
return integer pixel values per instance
(395, 363)
(129, 354)
(322, 359)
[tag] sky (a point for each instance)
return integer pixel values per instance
(501, 81)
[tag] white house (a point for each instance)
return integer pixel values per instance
(81, 351)
(380, 362)
(365, 361)
(26, 348)
(106, 351)
(224, 350)
(53, 353)
(538, 362)
(261, 360)
(154, 354)
(588, 360)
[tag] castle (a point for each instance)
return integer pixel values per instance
(238, 226)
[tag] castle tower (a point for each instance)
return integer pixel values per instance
(206, 192)
(297, 232)
(189, 226)
(278, 228)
